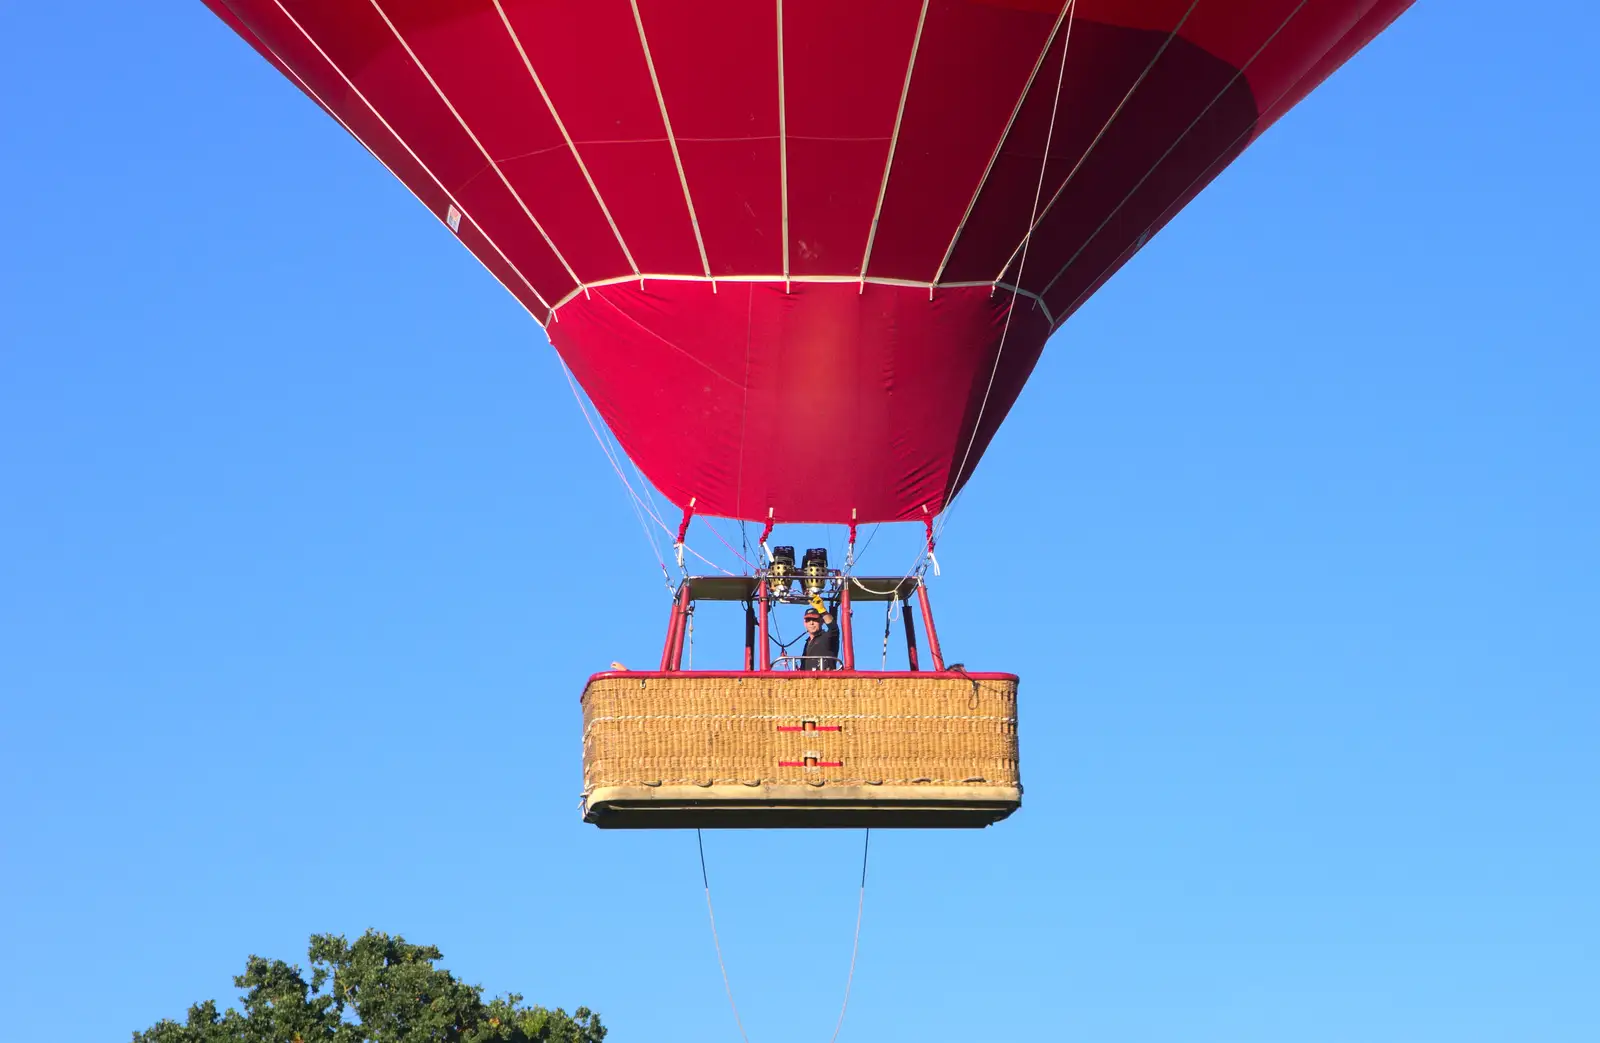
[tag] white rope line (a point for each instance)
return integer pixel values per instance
(1000, 145)
(672, 140)
(649, 491)
(634, 496)
(412, 153)
(1067, 311)
(562, 127)
(702, 557)
(613, 451)
(855, 945)
(918, 568)
(1206, 172)
(783, 151)
(1055, 106)
(710, 524)
(1175, 143)
(582, 289)
(744, 411)
(501, 174)
(860, 554)
(888, 625)
(711, 913)
(894, 140)
(881, 593)
(1040, 215)
(649, 503)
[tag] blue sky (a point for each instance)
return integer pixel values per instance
(308, 552)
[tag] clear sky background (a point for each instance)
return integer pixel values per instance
(1294, 538)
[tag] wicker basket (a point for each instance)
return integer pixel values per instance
(682, 750)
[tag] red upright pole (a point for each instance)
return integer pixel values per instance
(766, 644)
(672, 630)
(846, 637)
(683, 625)
(927, 627)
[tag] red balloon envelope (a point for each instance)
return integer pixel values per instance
(803, 255)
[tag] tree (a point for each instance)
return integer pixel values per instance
(379, 990)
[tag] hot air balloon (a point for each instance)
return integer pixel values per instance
(750, 225)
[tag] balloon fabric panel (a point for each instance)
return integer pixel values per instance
(777, 243)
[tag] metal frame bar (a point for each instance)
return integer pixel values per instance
(758, 628)
(686, 596)
(911, 637)
(749, 635)
(672, 630)
(927, 626)
(766, 641)
(847, 638)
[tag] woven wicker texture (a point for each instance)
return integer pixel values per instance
(721, 730)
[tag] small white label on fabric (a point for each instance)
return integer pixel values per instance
(452, 217)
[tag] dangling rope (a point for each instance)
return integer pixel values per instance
(855, 945)
(712, 913)
(730, 546)
(888, 624)
(855, 942)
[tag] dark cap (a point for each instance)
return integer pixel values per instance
(812, 613)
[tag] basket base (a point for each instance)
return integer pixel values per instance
(799, 807)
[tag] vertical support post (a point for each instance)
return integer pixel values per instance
(911, 635)
(765, 658)
(749, 636)
(847, 638)
(927, 627)
(674, 621)
(683, 620)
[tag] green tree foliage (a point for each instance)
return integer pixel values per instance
(379, 990)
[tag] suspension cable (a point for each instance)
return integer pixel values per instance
(855, 945)
(855, 941)
(1038, 192)
(725, 543)
(641, 508)
(634, 500)
(888, 625)
(705, 879)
